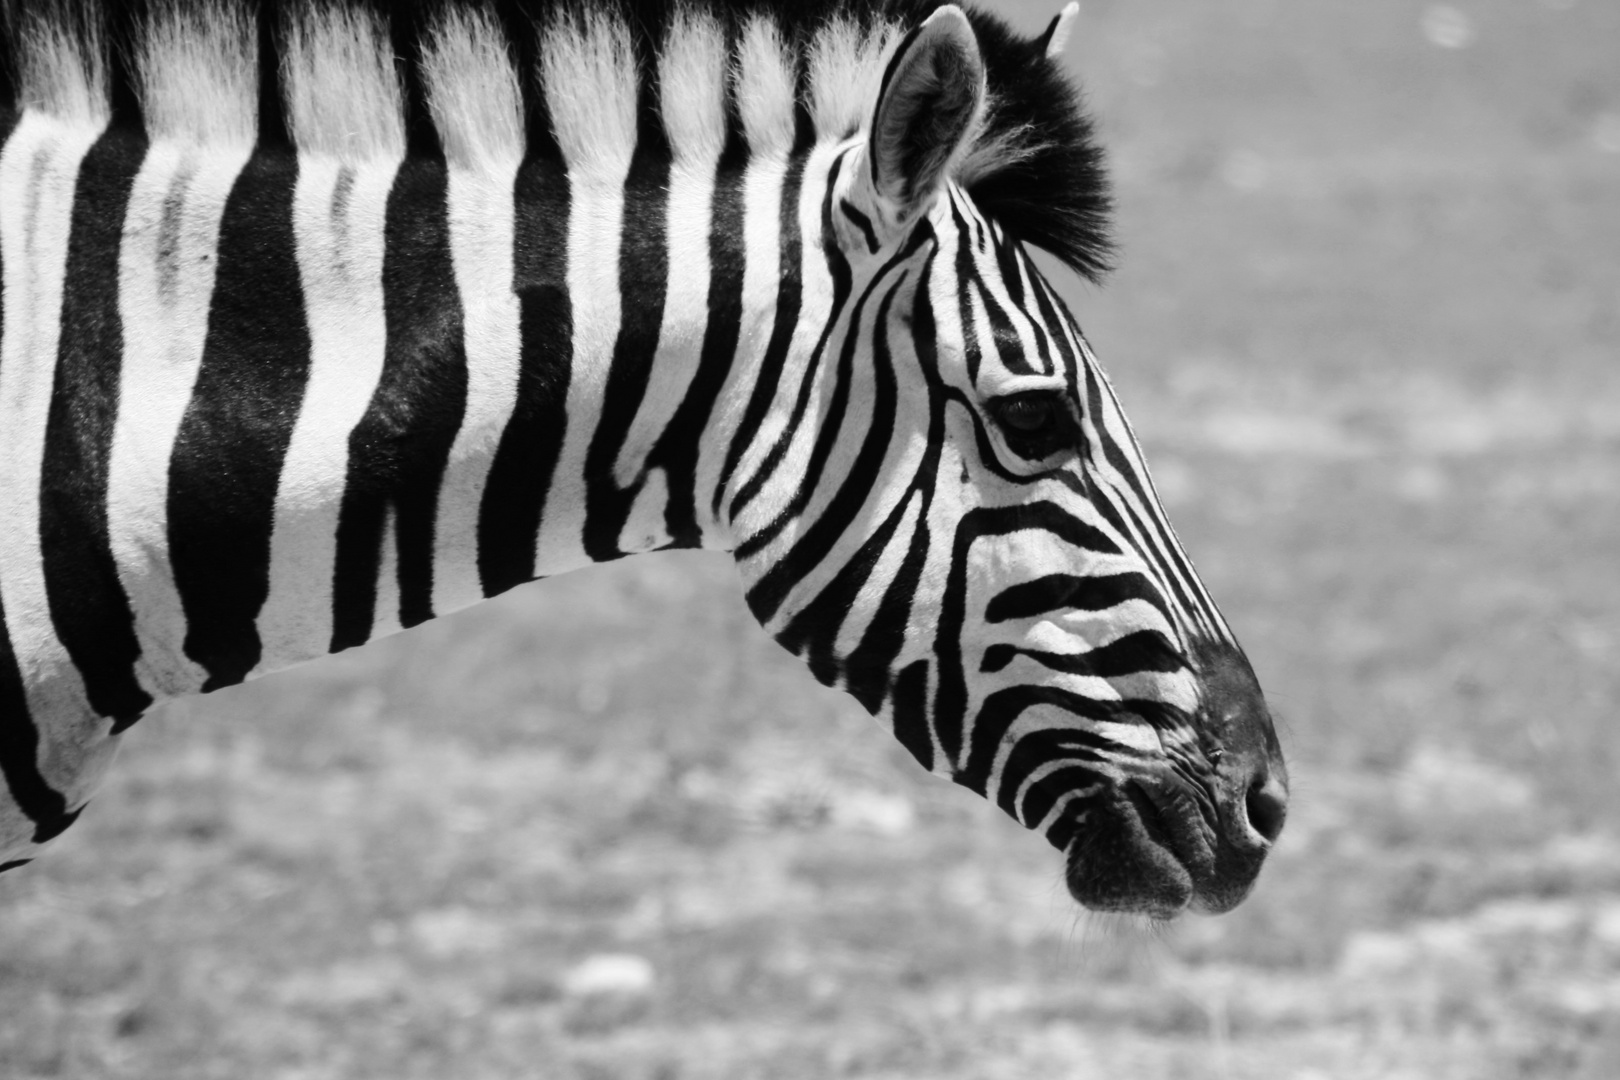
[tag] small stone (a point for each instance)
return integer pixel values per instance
(609, 974)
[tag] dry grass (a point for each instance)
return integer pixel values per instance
(1369, 332)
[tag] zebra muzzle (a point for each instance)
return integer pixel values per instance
(1162, 843)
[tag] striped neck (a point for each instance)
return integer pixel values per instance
(403, 386)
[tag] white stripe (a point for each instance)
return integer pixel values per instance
(340, 259)
(1041, 772)
(987, 277)
(887, 485)
(1061, 807)
(590, 83)
(1041, 718)
(163, 346)
(385, 619)
(644, 529)
(593, 288)
(680, 338)
(870, 599)
(762, 214)
(38, 171)
(813, 315)
(1160, 546)
(481, 238)
(692, 88)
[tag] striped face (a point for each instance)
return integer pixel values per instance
(279, 379)
(980, 558)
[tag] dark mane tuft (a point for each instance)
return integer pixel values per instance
(1053, 193)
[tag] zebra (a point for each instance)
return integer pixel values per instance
(320, 319)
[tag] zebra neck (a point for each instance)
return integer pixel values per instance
(317, 401)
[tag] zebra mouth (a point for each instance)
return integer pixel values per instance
(1147, 852)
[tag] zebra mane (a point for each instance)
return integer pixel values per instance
(481, 82)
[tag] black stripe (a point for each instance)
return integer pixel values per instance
(863, 223)
(970, 281)
(19, 738)
(768, 595)
(1006, 252)
(817, 542)
(233, 439)
(965, 275)
(1136, 652)
(869, 663)
(519, 477)
(272, 116)
(1042, 796)
(521, 21)
(911, 712)
(950, 699)
(408, 23)
(678, 449)
(1062, 834)
(789, 299)
(8, 86)
(88, 605)
(1078, 750)
(842, 283)
(120, 23)
(19, 751)
(1048, 325)
(1071, 592)
(399, 449)
(1161, 548)
(1061, 323)
(813, 630)
(1128, 524)
(643, 288)
(1003, 708)
(1009, 346)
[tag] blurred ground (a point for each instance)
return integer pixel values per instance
(1368, 326)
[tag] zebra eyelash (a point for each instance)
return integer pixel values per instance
(1040, 426)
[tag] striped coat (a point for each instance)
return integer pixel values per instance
(316, 325)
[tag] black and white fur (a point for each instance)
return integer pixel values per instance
(321, 321)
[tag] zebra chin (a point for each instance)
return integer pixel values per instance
(1188, 831)
(1149, 850)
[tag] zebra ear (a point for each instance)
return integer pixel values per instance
(928, 106)
(1056, 38)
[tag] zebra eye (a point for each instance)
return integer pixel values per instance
(1028, 414)
(1036, 424)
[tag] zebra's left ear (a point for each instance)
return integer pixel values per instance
(929, 105)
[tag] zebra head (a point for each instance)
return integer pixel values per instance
(956, 524)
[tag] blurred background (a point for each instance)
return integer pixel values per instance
(1368, 326)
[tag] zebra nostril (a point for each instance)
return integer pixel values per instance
(1266, 804)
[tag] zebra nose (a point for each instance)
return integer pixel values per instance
(1265, 806)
